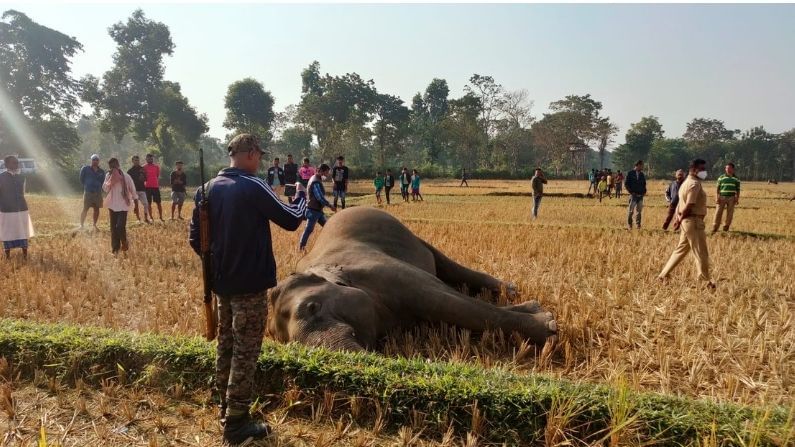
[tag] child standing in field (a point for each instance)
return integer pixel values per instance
(378, 182)
(415, 186)
(15, 225)
(602, 187)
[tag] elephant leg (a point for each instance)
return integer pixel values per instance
(433, 300)
(475, 282)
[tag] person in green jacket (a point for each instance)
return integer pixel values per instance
(378, 182)
(727, 197)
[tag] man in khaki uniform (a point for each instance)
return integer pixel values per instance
(690, 217)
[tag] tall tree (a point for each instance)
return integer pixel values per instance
(249, 108)
(575, 121)
(463, 128)
(428, 113)
(513, 143)
(331, 106)
(390, 127)
(178, 127)
(709, 139)
(492, 98)
(703, 131)
(295, 140)
(638, 142)
(667, 155)
(604, 130)
(757, 155)
(129, 97)
(37, 85)
(787, 142)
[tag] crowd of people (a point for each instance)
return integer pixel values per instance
(605, 184)
(241, 205)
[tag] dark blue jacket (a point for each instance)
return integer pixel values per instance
(12, 193)
(241, 209)
(672, 193)
(635, 182)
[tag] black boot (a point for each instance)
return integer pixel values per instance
(238, 429)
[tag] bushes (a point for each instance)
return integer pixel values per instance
(514, 407)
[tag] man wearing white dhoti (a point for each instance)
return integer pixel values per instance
(15, 225)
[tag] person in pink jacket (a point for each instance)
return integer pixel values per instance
(305, 172)
(120, 197)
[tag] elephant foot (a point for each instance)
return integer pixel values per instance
(528, 307)
(539, 327)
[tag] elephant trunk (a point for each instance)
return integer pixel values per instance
(337, 337)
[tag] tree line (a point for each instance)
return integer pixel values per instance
(490, 130)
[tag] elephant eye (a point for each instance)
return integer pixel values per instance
(312, 307)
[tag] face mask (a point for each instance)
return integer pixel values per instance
(323, 177)
(702, 175)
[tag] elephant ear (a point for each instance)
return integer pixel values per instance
(331, 273)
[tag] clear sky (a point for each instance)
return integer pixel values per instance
(731, 62)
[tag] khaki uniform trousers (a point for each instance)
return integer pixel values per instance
(693, 237)
(727, 203)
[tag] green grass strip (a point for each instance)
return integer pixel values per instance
(514, 406)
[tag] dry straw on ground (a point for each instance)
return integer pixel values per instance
(617, 322)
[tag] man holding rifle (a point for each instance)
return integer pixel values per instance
(240, 207)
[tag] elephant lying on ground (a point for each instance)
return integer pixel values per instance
(368, 274)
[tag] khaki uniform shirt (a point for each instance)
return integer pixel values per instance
(691, 192)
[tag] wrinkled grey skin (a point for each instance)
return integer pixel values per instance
(368, 275)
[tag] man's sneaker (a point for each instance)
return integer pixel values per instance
(239, 429)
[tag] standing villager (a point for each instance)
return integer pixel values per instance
(91, 177)
(405, 181)
(389, 183)
(610, 180)
(636, 187)
(592, 181)
(727, 197)
(619, 181)
(290, 178)
(179, 182)
(152, 184)
(316, 202)
(672, 197)
(139, 178)
(15, 224)
(305, 172)
(602, 187)
(378, 183)
(415, 186)
(690, 214)
(275, 177)
(121, 194)
(464, 177)
(538, 181)
(339, 174)
(241, 207)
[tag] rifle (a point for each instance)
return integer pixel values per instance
(210, 312)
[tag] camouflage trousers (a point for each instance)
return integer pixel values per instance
(241, 326)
